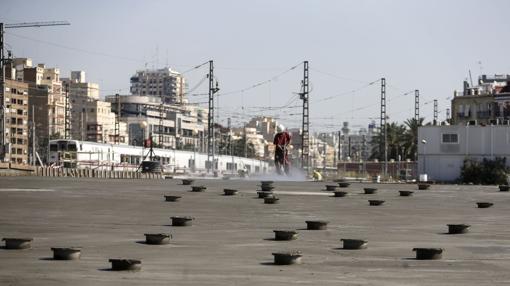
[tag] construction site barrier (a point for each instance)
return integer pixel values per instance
(90, 173)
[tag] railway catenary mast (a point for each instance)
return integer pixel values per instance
(4, 60)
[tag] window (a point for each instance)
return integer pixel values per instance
(450, 138)
(71, 147)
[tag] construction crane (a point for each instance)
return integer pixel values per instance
(4, 60)
(22, 25)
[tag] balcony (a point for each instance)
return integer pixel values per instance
(462, 115)
(484, 114)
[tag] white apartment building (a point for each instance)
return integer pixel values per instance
(165, 83)
(171, 126)
(442, 149)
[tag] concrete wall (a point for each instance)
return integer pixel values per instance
(443, 161)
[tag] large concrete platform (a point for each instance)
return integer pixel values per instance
(230, 242)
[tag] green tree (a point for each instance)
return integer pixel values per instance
(486, 172)
(394, 142)
(238, 147)
(411, 138)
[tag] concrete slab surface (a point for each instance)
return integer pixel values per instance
(231, 239)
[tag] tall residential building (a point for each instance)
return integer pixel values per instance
(171, 126)
(100, 124)
(48, 102)
(165, 83)
(15, 133)
(265, 126)
(91, 119)
(487, 102)
(79, 88)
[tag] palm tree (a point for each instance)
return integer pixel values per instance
(394, 142)
(411, 137)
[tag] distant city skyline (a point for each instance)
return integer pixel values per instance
(427, 45)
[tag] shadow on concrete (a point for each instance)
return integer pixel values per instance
(268, 263)
(48, 259)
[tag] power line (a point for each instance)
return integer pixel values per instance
(337, 76)
(242, 90)
(76, 49)
(348, 92)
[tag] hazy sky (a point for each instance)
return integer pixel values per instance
(426, 45)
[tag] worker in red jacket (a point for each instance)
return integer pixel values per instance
(281, 156)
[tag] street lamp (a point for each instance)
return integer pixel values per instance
(424, 142)
(195, 139)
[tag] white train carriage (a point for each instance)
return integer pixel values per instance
(84, 154)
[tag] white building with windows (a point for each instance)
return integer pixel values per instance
(443, 149)
(165, 83)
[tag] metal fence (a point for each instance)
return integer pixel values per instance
(397, 171)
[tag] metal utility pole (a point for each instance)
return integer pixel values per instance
(3, 59)
(305, 135)
(383, 130)
(349, 148)
(324, 158)
(245, 142)
(339, 146)
(231, 148)
(210, 118)
(161, 122)
(417, 105)
(229, 122)
(117, 119)
(435, 112)
(364, 155)
(33, 135)
(67, 127)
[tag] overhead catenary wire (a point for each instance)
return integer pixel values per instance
(347, 92)
(258, 84)
(242, 90)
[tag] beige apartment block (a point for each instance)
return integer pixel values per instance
(46, 95)
(15, 133)
(91, 118)
(100, 124)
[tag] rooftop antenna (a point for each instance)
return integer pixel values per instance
(157, 56)
(166, 59)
